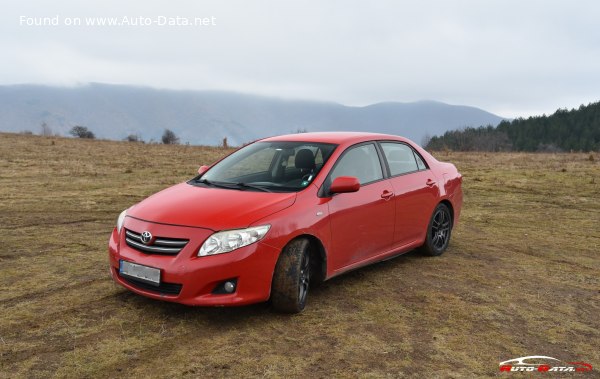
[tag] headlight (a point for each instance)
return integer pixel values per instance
(224, 242)
(120, 221)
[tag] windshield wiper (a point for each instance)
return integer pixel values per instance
(217, 184)
(246, 185)
(229, 185)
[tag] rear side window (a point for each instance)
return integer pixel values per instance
(362, 162)
(401, 158)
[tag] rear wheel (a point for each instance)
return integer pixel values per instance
(438, 231)
(291, 279)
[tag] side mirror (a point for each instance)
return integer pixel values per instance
(343, 184)
(203, 169)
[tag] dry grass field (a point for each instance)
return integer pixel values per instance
(521, 277)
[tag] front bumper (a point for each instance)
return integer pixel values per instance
(191, 280)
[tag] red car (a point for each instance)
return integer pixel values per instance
(284, 213)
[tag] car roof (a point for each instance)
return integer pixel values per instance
(335, 137)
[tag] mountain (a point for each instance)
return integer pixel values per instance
(565, 130)
(206, 117)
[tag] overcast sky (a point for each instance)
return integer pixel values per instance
(513, 58)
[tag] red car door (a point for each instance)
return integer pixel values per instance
(416, 192)
(362, 223)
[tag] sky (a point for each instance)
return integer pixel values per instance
(512, 58)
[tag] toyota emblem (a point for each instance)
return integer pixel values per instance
(146, 237)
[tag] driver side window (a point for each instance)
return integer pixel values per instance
(361, 162)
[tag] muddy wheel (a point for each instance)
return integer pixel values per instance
(438, 231)
(291, 279)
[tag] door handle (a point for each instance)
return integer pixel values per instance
(387, 195)
(430, 182)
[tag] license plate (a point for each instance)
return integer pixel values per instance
(143, 273)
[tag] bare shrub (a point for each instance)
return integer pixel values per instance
(81, 132)
(169, 137)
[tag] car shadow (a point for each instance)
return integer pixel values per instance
(231, 316)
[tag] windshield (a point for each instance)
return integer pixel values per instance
(269, 166)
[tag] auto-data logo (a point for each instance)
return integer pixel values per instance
(540, 363)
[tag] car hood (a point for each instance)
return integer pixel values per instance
(208, 207)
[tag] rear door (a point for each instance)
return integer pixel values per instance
(362, 223)
(416, 191)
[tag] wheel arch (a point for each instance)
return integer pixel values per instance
(448, 203)
(318, 255)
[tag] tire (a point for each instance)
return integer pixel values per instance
(439, 231)
(291, 279)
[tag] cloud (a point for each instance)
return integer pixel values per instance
(510, 57)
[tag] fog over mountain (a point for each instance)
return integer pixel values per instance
(206, 117)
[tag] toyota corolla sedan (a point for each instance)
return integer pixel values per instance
(282, 214)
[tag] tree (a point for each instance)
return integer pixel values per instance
(133, 138)
(169, 138)
(426, 139)
(46, 131)
(564, 130)
(81, 132)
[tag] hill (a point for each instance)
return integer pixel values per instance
(565, 130)
(205, 117)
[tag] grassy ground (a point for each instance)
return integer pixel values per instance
(521, 277)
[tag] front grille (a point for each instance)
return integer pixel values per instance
(163, 288)
(160, 245)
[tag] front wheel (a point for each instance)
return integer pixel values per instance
(438, 231)
(291, 279)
